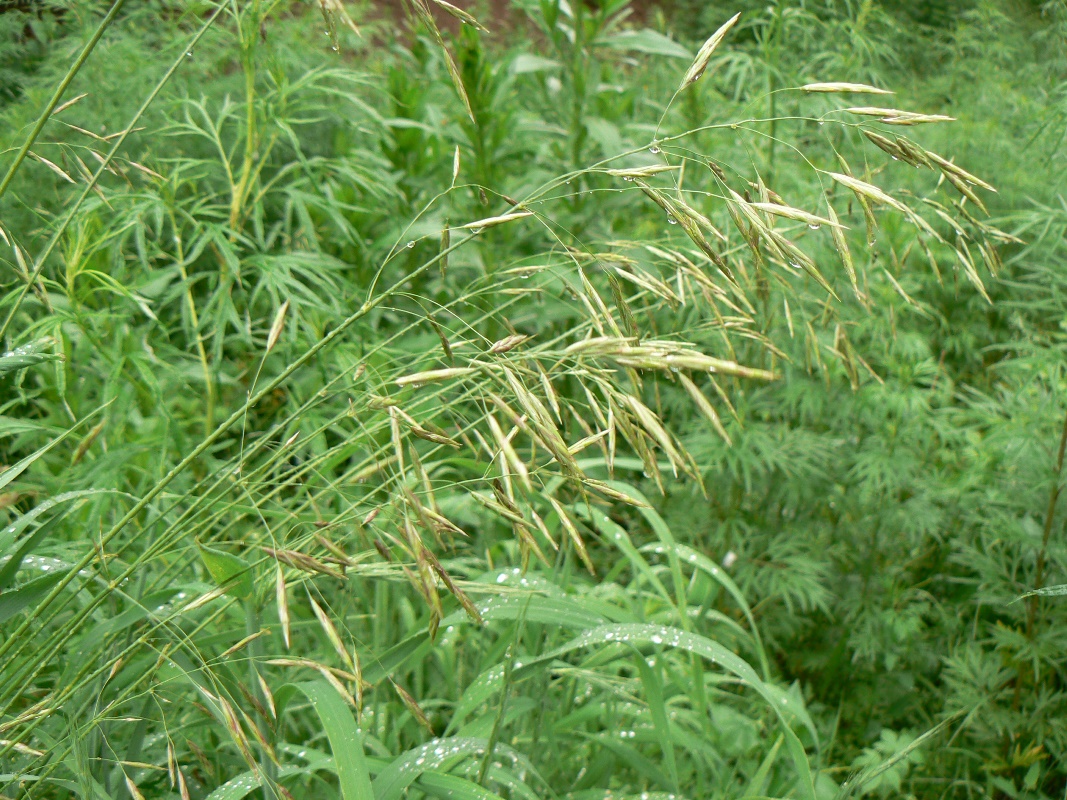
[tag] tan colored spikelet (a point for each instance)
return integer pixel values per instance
(900, 290)
(581, 444)
(300, 561)
(573, 534)
(949, 167)
(183, 789)
(460, 14)
(703, 57)
(651, 423)
(508, 451)
(964, 255)
(422, 11)
(338, 686)
(202, 600)
(307, 663)
(550, 394)
(641, 172)
(843, 88)
(964, 189)
(915, 119)
(397, 440)
(172, 763)
(788, 212)
(445, 345)
(614, 494)
(869, 191)
(331, 633)
(234, 648)
(598, 310)
(268, 695)
(706, 408)
(542, 528)
(508, 343)
(434, 375)
(240, 738)
(332, 8)
(887, 146)
(358, 685)
(651, 283)
(453, 587)
(492, 222)
(912, 153)
(413, 707)
(54, 167)
(841, 243)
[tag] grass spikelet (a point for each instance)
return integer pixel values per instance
(641, 172)
(492, 222)
(268, 695)
(131, 787)
(843, 88)
(950, 168)
(331, 633)
(707, 50)
(434, 375)
(706, 408)
(277, 326)
(508, 343)
(915, 119)
(841, 244)
(307, 663)
(413, 707)
(963, 253)
(340, 688)
(511, 457)
(453, 587)
(229, 651)
(302, 562)
(572, 532)
(788, 212)
(887, 146)
(233, 724)
(460, 14)
(869, 191)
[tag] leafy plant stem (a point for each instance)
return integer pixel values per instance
(1050, 513)
(42, 120)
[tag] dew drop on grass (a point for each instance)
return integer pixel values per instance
(815, 226)
(409, 244)
(671, 220)
(654, 150)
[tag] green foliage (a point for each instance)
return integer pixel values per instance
(484, 416)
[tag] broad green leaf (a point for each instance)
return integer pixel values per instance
(451, 787)
(402, 772)
(346, 741)
(11, 567)
(13, 601)
(647, 41)
(229, 571)
(26, 356)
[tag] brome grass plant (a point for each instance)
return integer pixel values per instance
(571, 411)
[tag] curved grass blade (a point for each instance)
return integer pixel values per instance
(705, 648)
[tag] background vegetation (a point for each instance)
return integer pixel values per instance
(396, 406)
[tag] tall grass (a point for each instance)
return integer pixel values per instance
(403, 418)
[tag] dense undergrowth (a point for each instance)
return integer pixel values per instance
(536, 413)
